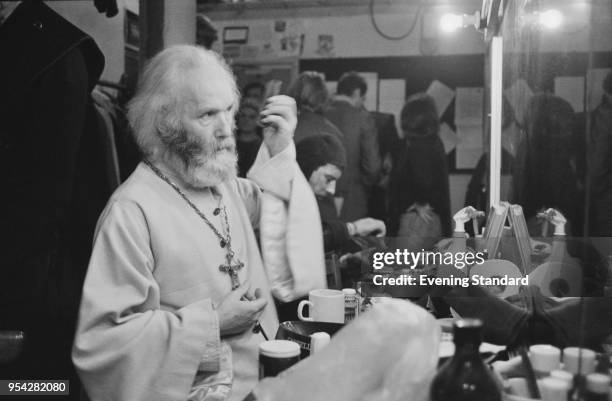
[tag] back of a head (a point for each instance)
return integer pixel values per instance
(419, 115)
(349, 81)
(162, 89)
(548, 118)
(309, 91)
(318, 150)
(544, 176)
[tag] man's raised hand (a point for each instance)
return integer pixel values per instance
(279, 117)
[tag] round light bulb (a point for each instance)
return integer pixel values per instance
(450, 22)
(550, 19)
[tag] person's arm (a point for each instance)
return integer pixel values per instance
(290, 227)
(127, 346)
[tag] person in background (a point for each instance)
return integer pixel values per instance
(255, 91)
(176, 282)
(545, 169)
(53, 171)
(363, 165)
(419, 189)
(600, 164)
(311, 96)
(389, 142)
(322, 160)
(248, 135)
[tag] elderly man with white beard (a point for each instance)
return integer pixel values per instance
(176, 283)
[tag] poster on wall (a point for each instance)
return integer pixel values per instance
(371, 100)
(289, 38)
(572, 90)
(595, 78)
(325, 45)
(518, 95)
(441, 94)
(391, 98)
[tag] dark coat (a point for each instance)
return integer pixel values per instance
(363, 162)
(310, 123)
(600, 170)
(335, 233)
(420, 175)
(55, 184)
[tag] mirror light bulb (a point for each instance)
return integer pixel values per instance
(550, 19)
(450, 22)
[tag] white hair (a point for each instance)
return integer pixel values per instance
(153, 112)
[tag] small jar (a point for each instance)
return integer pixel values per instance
(351, 304)
(597, 387)
(573, 357)
(276, 356)
(544, 358)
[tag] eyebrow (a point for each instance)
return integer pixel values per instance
(205, 109)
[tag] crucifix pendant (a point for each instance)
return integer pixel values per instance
(232, 270)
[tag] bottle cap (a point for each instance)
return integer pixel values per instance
(349, 291)
(279, 349)
(570, 360)
(544, 357)
(318, 340)
(597, 383)
(467, 329)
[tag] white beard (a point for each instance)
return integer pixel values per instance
(212, 170)
(206, 170)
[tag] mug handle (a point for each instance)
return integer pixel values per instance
(300, 310)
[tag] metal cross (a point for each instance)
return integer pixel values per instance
(232, 270)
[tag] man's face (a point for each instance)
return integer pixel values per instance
(206, 145)
(247, 120)
(255, 93)
(323, 180)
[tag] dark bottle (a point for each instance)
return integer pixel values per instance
(465, 377)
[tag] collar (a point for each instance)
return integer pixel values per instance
(344, 98)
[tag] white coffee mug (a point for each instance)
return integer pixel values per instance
(323, 306)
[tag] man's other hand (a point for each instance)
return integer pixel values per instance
(370, 226)
(279, 117)
(239, 310)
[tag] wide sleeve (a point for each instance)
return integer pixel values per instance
(290, 226)
(127, 347)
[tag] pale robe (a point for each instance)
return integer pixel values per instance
(147, 322)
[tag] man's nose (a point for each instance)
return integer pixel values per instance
(225, 124)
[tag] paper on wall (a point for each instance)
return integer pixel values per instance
(572, 90)
(371, 101)
(448, 137)
(331, 87)
(595, 78)
(469, 106)
(391, 97)
(467, 158)
(441, 94)
(469, 146)
(469, 136)
(518, 94)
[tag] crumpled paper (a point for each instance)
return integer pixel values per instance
(389, 353)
